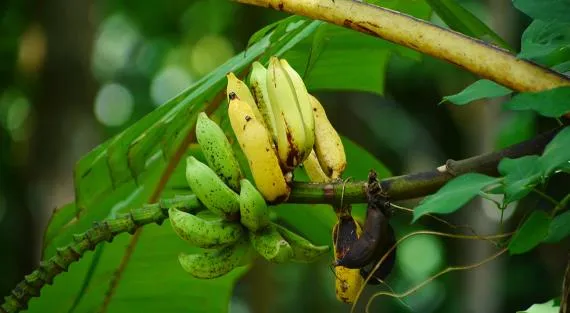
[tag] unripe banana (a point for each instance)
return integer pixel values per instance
(211, 190)
(218, 151)
(255, 144)
(203, 233)
(214, 263)
(291, 138)
(254, 213)
(271, 245)
(328, 145)
(303, 250)
(258, 83)
(314, 170)
(348, 281)
(240, 89)
(304, 105)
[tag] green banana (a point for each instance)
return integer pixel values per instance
(204, 233)
(239, 88)
(214, 263)
(271, 245)
(303, 250)
(304, 106)
(258, 84)
(218, 151)
(291, 137)
(211, 190)
(254, 213)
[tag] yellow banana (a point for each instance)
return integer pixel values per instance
(303, 250)
(258, 83)
(348, 281)
(304, 106)
(214, 263)
(204, 233)
(291, 138)
(254, 213)
(271, 245)
(255, 144)
(211, 190)
(218, 151)
(240, 89)
(328, 146)
(314, 170)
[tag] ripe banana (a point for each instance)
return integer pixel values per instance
(218, 151)
(328, 145)
(255, 144)
(271, 245)
(291, 137)
(211, 190)
(348, 281)
(304, 105)
(303, 250)
(204, 233)
(239, 88)
(214, 263)
(314, 170)
(258, 83)
(254, 213)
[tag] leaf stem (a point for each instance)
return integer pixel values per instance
(554, 202)
(474, 55)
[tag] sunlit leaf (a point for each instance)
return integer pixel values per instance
(551, 103)
(521, 175)
(556, 155)
(545, 39)
(481, 89)
(545, 9)
(461, 20)
(532, 232)
(547, 307)
(455, 194)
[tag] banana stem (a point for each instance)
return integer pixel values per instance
(474, 55)
(32, 284)
(397, 188)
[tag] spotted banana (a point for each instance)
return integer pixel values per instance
(239, 88)
(214, 263)
(328, 146)
(348, 281)
(255, 144)
(271, 245)
(218, 151)
(258, 83)
(303, 250)
(254, 212)
(211, 190)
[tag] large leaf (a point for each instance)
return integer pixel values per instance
(545, 9)
(461, 20)
(559, 228)
(551, 103)
(455, 194)
(556, 155)
(546, 42)
(532, 232)
(521, 175)
(122, 174)
(481, 89)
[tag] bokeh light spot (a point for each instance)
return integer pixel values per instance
(113, 105)
(168, 83)
(209, 52)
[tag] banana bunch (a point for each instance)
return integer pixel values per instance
(238, 216)
(280, 126)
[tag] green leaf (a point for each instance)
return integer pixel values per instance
(551, 103)
(532, 232)
(559, 228)
(556, 155)
(546, 41)
(516, 127)
(455, 194)
(481, 89)
(547, 307)
(521, 175)
(461, 20)
(319, 41)
(545, 9)
(562, 68)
